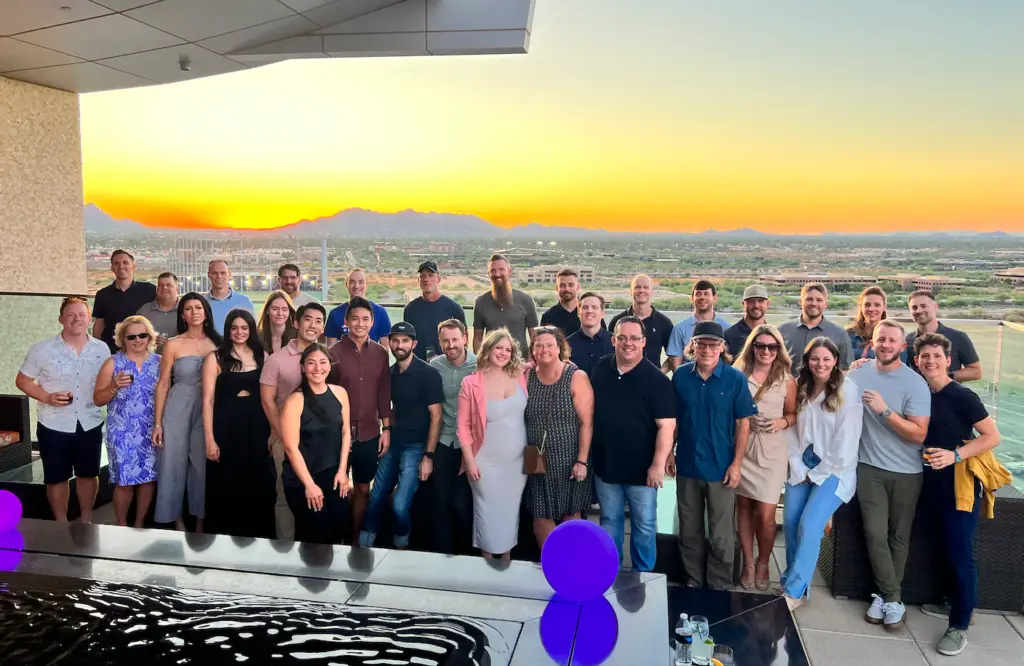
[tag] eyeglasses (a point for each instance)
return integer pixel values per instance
(635, 339)
(708, 346)
(769, 346)
(137, 336)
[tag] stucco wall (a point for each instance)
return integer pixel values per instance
(42, 239)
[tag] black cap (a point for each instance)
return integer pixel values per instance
(428, 265)
(708, 329)
(404, 328)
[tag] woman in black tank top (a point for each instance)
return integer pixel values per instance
(316, 444)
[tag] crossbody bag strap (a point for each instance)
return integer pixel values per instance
(551, 406)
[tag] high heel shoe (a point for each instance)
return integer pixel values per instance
(761, 583)
(747, 581)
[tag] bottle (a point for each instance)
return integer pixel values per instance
(684, 642)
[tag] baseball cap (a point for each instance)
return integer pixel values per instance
(428, 265)
(708, 329)
(403, 328)
(755, 291)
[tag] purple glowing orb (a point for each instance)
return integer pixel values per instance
(10, 511)
(579, 560)
(584, 634)
(11, 545)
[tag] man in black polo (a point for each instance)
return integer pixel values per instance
(592, 342)
(964, 365)
(755, 307)
(565, 313)
(634, 421)
(417, 395)
(119, 299)
(657, 326)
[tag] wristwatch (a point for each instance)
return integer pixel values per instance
(429, 454)
(386, 428)
(956, 456)
(885, 414)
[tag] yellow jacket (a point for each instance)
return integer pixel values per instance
(986, 469)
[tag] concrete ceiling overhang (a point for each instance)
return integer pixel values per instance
(92, 45)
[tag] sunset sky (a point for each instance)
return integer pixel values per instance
(655, 115)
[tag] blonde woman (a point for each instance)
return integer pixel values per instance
(765, 362)
(127, 385)
(871, 309)
(492, 433)
(276, 321)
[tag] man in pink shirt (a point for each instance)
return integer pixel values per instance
(280, 378)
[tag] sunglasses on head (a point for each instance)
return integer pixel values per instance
(137, 336)
(770, 346)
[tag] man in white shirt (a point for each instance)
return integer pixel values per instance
(60, 373)
(290, 281)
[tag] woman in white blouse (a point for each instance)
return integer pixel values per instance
(822, 461)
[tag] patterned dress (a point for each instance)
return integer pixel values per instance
(554, 494)
(130, 417)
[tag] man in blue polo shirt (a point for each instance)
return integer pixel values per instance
(591, 342)
(704, 297)
(336, 327)
(221, 297)
(713, 404)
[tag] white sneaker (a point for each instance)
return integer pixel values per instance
(875, 614)
(894, 612)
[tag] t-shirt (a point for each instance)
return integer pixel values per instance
(658, 328)
(425, 316)
(337, 328)
(906, 394)
(683, 331)
(412, 392)
(625, 409)
(303, 299)
(283, 371)
(519, 316)
(955, 410)
(113, 305)
(961, 353)
(567, 320)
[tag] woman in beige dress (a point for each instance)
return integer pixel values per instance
(765, 362)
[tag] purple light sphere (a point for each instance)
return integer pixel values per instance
(579, 561)
(11, 545)
(10, 511)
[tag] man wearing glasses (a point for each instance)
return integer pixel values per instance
(713, 405)
(634, 417)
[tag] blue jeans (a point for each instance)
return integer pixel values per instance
(643, 520)
(400, 466)
(807, 509)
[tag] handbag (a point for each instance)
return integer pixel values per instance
(535, 460)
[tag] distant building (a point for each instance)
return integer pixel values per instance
(932, 283)
(546, 274)
(828, 279)
(444, 248)
(1014, 276)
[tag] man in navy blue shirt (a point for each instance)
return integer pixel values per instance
(336, 327)
(713, 405)
(592, 341)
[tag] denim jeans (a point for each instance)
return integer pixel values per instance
(807, 509)
(643, 520)
(400, 466)
(954, 533)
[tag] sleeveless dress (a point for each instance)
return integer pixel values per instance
(182, 460)
(766, 462)
(241, 488)
(130, 417)
(498, 494)
(555, 494)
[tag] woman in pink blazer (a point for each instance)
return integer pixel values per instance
(492, 434)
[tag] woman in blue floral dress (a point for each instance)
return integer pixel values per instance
(127, 385)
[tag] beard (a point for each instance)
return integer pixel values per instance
(401, 354)
(501, 292)
(885, 362)
(566, 296)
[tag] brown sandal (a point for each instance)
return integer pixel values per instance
(747, 582)
(762, 583)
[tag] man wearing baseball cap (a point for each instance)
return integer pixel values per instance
(755, 307)
(417, 396)
(713, 405)
(425, 312)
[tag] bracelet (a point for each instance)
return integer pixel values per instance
(580, 462)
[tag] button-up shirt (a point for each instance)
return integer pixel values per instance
(365, 374)
(222, 306)
(706, 412)
(451, 382)
(833, 436)
(683, 331)
(586, 351)
(797, 335)
(57, 367)
(283, 371)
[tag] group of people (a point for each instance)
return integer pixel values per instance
(293, 425)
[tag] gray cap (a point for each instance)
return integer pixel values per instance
(755, 291)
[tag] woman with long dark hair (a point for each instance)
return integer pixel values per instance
(317, 441)
(178, 432)
(822, 461)
(277, 321)
(240, 479)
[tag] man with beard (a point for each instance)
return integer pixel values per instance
(811, 324)
(417, 396)
(657, 326)
(426, 312)
(119, 299)
(964, 365)
(897, 410)
(290, 281)
(755, 307)
(592, 342)
(504, 307)
(337, 321)
(704, 296)
(564, 314)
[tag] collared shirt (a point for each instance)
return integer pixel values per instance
(425, 316)
(626, 409)
(797, 335)
(707, 410)
(283, 371)
(567, 320)
(303, 299)
(113, 305)
(586, 351)
(451, 383)
(412, 393)
(364, 373)
(683, 331)
(518, 317)
(833, 436)
(165, 322)
(57, 367)
(657, 327)
(337, 328)
(961, 351)
(222, 306)
(736, 337)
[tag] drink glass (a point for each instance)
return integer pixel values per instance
(701, 647)
(725, 655)
(701, 628)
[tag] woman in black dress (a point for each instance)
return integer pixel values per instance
(240, 480)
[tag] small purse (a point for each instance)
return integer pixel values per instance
(535, 461)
